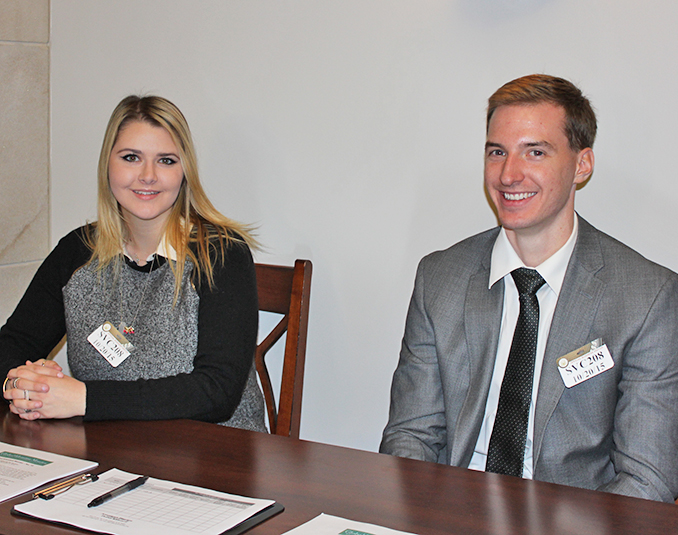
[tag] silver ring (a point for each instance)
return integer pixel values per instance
(26, 411)
(26, 396)
(14, 382)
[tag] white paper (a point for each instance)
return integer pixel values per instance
(157, 507)
(333, 525)
(25, 469)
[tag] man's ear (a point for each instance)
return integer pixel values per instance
(585, 163)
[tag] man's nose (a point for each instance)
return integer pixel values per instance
(511, 171)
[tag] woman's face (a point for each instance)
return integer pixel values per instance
(145, 173)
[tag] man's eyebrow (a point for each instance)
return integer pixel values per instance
(526, 144)
(543, 143)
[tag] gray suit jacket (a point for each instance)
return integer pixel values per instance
(617, 431)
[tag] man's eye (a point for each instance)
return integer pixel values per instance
(536, 152)
(130, 158)
(496, 152)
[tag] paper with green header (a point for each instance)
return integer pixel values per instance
(333, 525)
(25, 469)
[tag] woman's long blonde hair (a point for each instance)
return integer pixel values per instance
(193, 219)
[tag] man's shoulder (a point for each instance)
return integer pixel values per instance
(469, 251)
(616, 258)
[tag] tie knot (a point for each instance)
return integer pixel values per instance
(528, 281)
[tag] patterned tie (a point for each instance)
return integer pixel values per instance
(506, 452)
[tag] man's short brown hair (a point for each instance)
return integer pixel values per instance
(580, 119)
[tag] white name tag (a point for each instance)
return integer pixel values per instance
(112, 345)
(576, 368)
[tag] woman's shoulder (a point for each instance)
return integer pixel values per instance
(217, 240)
(233, 253)
(71, 253)
(77, 243)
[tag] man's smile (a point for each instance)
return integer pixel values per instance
(517, 196)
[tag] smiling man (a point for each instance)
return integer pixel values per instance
(543, 348)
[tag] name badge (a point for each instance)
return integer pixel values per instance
(583, 363)
(111, 343)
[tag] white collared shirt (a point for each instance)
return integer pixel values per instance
(504, 261)
(168, 252)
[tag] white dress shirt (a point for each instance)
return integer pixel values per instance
(504, 261)
(162, 250)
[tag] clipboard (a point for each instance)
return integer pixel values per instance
(255, 519)
(244, 526)
(159, 506)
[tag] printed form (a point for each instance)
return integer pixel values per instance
(158, 506)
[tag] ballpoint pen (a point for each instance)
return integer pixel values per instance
(122, 489)
(49, 492)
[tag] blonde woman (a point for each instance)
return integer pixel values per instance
(157, 298)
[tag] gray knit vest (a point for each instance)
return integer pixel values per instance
(165, 337)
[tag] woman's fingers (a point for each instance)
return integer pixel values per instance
(25, 406)
(19, 385)
(43, 367)
(44, 363)
(32, 377)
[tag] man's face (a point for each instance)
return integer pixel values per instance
(531, 172)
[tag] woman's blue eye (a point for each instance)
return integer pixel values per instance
(168, 161)
(130, 158)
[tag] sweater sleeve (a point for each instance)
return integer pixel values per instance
(38, 322)
(227, 331)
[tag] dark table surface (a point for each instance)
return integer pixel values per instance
(310, 478)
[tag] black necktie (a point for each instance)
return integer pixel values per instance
(506, 452)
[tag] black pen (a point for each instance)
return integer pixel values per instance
(130, 485)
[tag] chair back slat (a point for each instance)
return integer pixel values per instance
(285, 290)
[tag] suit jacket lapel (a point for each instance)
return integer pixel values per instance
(482, 318)
(571, 326)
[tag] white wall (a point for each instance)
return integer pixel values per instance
(351, 132)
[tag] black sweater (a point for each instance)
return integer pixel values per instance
(208, 390)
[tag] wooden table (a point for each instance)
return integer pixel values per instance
(310, 478)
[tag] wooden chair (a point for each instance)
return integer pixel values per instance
(285, 290)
